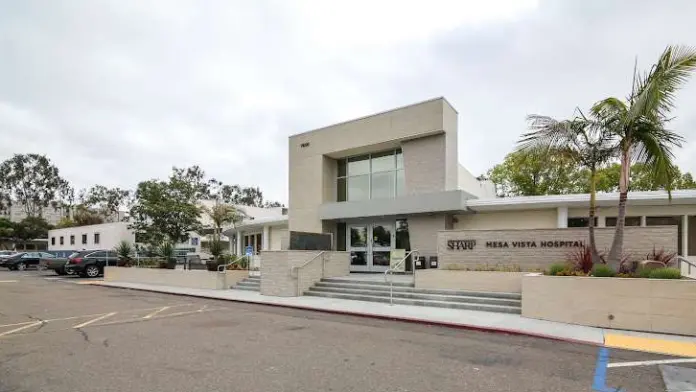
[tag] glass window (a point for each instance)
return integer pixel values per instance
(383, 185)
(341, 190)
(341, 236)
(358, 236)
(381, 236)
(95, 255)
(72, 240)
(400, 183)
(341, 167)
(84, 239)
(96, 238)
(581, 222)
(359, 187)
(359, 165)
(380, 258)
(383, 162)
(610, 221)
(61, 240)
(399, 159)
(358, 258)
(53, 240)
(45, 255)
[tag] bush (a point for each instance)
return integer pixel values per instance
(660, 255)
(665, 273)
(581, 258)
(556, 269)
(603, 271)
(644, 272)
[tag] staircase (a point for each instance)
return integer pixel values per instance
(252, 283)
(407, 294)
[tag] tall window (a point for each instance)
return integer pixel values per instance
(371, 176)
(84, 239)
(96, 238)
(72, 240)
(61, 240)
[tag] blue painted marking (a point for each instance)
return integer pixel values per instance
(599, 383)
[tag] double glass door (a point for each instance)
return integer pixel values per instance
(370, 246)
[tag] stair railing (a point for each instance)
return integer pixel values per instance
(389, 273)
(224, 267)
(689, 270)
(296, 271)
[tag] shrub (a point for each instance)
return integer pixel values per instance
(581, 258)
(555, 269)
(124, 251)
(665, 273)
(643, 272)
(626, 265)
(603, 271)
(660, 255)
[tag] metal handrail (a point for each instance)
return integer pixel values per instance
(390, 272)
(680, 260)
(223, 267)
(296, 270)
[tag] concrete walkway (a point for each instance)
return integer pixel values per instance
(469, 319)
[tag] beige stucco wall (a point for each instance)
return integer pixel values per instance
(665, 210)
(278, 236)
(312, 168)
(652, 305)
(278, 278)
(194, 279)
(638, 242)
(498, 282)
(424, 164)
(422, 231)
(526, 219)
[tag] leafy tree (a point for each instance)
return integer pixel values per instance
(235, 194)
(223, 214)
(581, 142)
(7, 228)
(82, 216)
(105, 201)
(536, 172)
(30, 228)
(639, 126)
(168, 210)
(30, 180)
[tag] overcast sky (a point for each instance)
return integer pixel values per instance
(118, 91)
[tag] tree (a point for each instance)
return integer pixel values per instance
(536, 172)
(235, 194)
(30, 180)
(29, 228)
(107, 202)
(639, 126)
(7, 228)
(581, 142)
(223, 214)
(168, 210)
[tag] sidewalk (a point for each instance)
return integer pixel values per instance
(457, 318)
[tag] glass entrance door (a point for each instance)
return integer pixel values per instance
(370, 246)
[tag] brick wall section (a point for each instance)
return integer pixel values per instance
(638, 241)
(423, 233)
(424, 164)
(652, 305)
(278, 280)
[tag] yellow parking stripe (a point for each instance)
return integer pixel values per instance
(660, 346)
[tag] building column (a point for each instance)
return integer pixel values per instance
(265, 238)
(685, 235)
(240, 237)
(562, 217)
(643, 221)
(601, 221)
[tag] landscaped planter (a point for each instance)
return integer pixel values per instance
(652, 305)
(489, 281)
(196, 279)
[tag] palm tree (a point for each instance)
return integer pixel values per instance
(223, 214)
(638, 126)
(580, 140)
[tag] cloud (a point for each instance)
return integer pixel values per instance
(116, 92)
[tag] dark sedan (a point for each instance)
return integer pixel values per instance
(23, 260)
(57, 262)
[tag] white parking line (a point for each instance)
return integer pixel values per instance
(156, 312)
(9, 281)
(86, 323)
(649, 363)
(22, 328)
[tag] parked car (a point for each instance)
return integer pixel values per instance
(91, 263)
(23, 260)
(6, 253)
(57, 262)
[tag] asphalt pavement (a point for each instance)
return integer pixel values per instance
(60, 336)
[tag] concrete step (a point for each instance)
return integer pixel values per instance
(358, 281)
(249, 283)
(253, 278)
(247, 288)
(362, 285)
(420, 302)
(455, 297)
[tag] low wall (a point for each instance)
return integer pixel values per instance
(497, 282)
(652, 305)
(536, 249)
(278, 279)
(195, 279)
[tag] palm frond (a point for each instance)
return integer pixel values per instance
(654, 147)
(547, 133)
(653, 94)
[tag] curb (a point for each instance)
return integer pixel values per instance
(514, 332)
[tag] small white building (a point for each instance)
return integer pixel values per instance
(101, 236)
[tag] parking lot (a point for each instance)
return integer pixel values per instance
(60, 334)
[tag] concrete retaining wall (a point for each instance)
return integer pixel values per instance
(278, 279)
(537, 249)
(652, 305)
(178, 278)
(498, 282)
